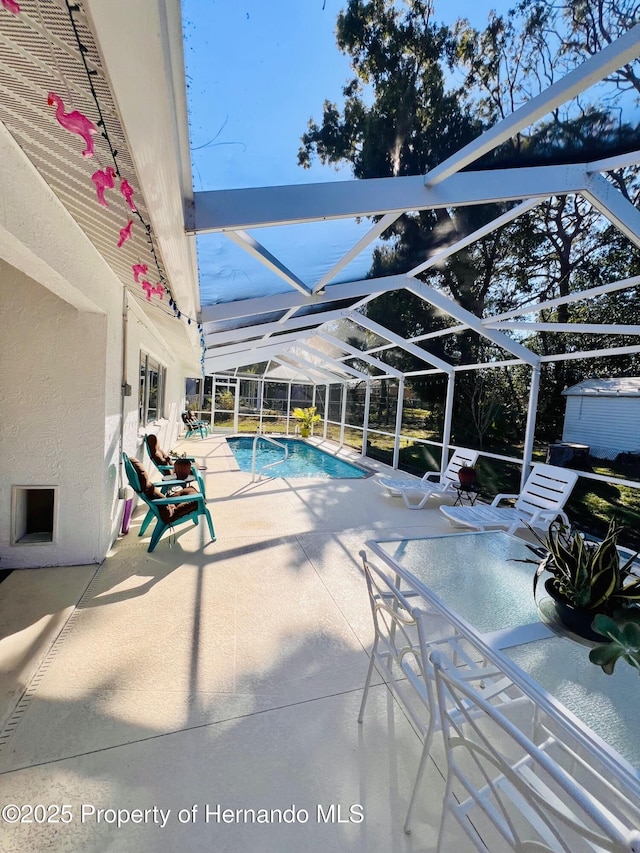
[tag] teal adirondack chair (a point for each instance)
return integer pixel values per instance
(138, 483)
(168, 469)
(192, 427)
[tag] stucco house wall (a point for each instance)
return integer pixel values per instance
(53, 392)
(60, 388)
(62, 357)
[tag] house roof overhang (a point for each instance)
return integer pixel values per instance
(131, 55)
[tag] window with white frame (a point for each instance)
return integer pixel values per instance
(152, 384)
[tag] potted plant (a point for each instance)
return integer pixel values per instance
(182, 469)
(586, 578)
(467, 474)
(306, 418)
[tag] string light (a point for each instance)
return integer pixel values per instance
(127, 191)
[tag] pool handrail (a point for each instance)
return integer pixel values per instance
(270, 464)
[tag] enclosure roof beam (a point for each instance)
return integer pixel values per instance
(620, 161)
(298, 375)
(248, 346)
(241, 358)
(285, 301)
(310, 368)
(594, 353)
(228, 363)
(612, 204)
(372, 234)
(591, 293)
(369, 359)
(620, 52)
(412, 349)
(351, 371)
(299, 368)
(257, 250)
(574, 328)
(449, 306)
(440, 333)
(265, 329)
(256, 207)
(487, 229)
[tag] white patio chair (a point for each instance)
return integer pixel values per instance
(405, 633)
(511, 793)
(541, 501)
(425, 488)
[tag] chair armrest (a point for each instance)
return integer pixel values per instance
(499, 498)
(549, 515)
(172, 481)
(389, 595)
(430, 474)
(178, 499)
(626, 553)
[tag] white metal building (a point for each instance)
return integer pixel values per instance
(604, 414)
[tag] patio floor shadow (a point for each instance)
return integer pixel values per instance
(210, 676)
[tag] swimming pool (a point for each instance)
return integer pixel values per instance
(304, 460)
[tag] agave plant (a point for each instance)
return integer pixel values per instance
(588, 575)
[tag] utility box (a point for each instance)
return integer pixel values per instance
(568, 455)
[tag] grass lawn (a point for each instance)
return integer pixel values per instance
(590, 507)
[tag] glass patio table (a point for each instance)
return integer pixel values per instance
(480, 582)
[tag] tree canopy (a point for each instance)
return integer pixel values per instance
(421, 90)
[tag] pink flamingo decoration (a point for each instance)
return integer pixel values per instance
(103, 181)
(125, 233)
(149, 289)
(127, 192)
(138, 270)
(11, 6)
(74, 122)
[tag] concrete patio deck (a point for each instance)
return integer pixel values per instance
(210, 674)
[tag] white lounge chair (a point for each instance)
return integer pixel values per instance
(425, 488)
(541, 501)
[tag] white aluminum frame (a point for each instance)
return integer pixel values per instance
(234, 211)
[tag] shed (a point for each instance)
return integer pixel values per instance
(605, 414)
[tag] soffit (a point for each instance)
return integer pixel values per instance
(39, 54)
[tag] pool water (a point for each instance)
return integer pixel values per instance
(304, 460)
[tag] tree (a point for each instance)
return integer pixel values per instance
(422, 90)
(400, 118)
(412, 122)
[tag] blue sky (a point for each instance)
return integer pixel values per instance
(257, 71)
